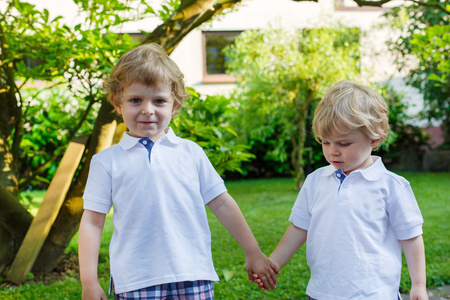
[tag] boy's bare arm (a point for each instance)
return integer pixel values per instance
(293, 238)
(415, 258)
(229, 214)
(89, 239)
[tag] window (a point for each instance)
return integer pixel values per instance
(30, 62)
(214, 70)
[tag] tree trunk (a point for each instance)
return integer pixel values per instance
(298, 141)
(190, 15)
(14, 218)
(298, 138)
(14, 223)
(10, 118)
(67, 222)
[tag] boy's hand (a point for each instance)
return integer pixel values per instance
(265, 270)
(418, 292)
(93, 292)
(258, 281)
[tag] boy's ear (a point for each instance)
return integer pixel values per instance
(116, 106)
(175, 111)
(375, 143)
(118, 109)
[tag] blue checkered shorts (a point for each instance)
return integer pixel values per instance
(186, 290)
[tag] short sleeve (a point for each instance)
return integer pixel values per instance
(97, 195)
(404, 213)
(301, 215)
(211, 184)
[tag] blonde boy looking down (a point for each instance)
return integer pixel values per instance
(158, 185)
(354, 215)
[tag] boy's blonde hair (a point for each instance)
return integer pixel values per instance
(348, 106)
(148, 64)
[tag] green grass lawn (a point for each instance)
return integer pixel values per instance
(266, 204)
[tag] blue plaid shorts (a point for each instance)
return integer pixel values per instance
(186, 290)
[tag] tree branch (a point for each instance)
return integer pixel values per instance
(188, 16)
(371, 3)
(34, 173)
(306, 0)
(435, 5)
(41, 168)
(82, 119)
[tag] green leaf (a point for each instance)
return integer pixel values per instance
(434, 77)
(228, 274)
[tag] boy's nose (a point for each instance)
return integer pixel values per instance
(334, 150)
(148, 110)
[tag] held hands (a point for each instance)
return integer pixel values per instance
(262, 269)
(259, 281)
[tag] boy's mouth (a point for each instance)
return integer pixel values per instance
(336, 163)
(147, 122)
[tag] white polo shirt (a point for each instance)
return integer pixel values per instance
(354, 229)
(161, 231)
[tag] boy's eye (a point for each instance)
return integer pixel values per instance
(135, 100)
(159, 101)
(344, 144)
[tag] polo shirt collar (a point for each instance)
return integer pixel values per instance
(328, 170)
(375, 171)
(128, 141)
(372, 173)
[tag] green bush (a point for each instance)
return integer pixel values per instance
(406, 142)
(206, 121)
(51, 118)
(281, 73)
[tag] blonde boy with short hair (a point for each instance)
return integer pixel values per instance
(354, 215)
(158, 185)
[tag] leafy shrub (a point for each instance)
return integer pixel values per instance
(206, 122)
(51, 118)
(49, 122)
(281, 73)
(406, 142)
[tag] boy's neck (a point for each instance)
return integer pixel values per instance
(367, 163)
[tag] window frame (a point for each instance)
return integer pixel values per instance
(215, 78)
